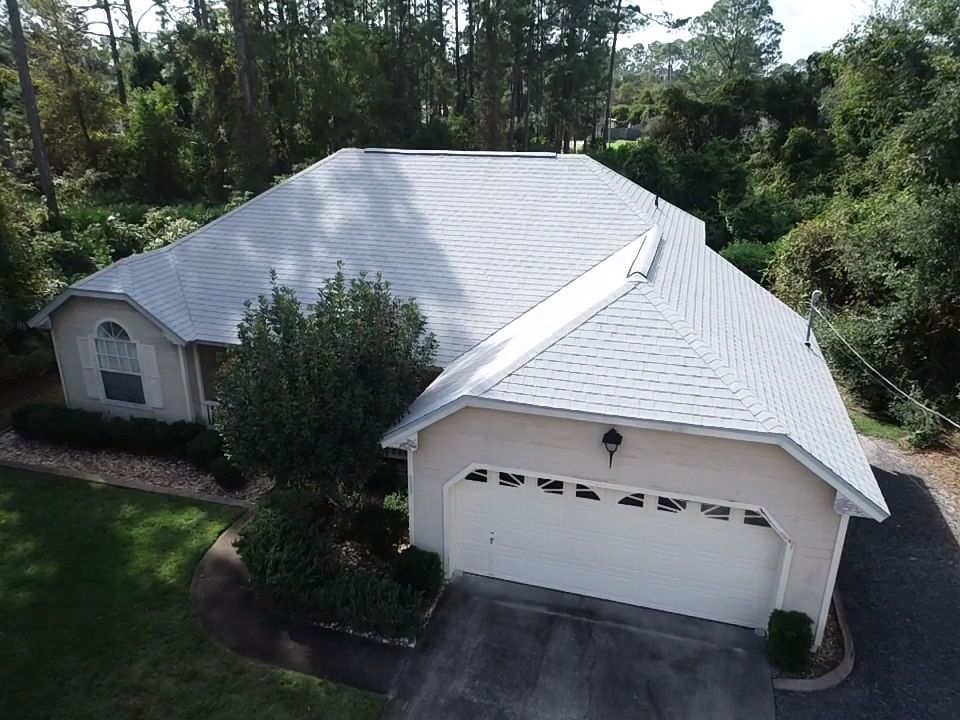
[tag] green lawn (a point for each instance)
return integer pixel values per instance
(96, 619)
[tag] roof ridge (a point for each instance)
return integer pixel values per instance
(183, 296)
(469, 153)
(715, 362)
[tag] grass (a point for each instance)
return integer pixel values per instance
(96, 619)
(874, 427)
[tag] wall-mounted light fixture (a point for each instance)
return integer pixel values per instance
(611, 442)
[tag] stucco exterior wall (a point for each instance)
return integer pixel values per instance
(730, 470)
(79, 318)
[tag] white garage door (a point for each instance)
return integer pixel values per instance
(706, 560)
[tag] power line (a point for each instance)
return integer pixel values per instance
(880, 375)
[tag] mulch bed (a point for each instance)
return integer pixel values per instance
(120, 466)
(827, 657)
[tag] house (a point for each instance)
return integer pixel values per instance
(621, 413)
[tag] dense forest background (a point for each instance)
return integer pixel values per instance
(838, 171)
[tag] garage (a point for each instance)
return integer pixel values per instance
(705, 559)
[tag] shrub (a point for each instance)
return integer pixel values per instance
(789, 640)
(378, 528)
(293, 557)
(92, 431)
(226, 474)
(389, 477)
(751, 258)
(60, 425)
(204, 449)
(397, 502)
(419, 570)
(179, 435)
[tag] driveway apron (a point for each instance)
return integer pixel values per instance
(501, 650)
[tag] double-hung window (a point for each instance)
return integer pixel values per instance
(119, 365)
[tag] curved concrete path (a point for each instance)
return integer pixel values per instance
(228, 609)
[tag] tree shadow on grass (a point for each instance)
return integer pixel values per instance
(88, 576)
(900, 581)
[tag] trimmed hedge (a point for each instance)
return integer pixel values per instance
(790, 640)
(295, 556)
(88, 430)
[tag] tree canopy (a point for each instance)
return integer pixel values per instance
(835, 171)
(307, 395)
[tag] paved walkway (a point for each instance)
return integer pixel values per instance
(900, 581)
(227, 608)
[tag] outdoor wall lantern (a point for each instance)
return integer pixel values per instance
(611, 441)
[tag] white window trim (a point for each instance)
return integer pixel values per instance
(96, 359)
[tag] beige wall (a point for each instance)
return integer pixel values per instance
(735, 471)
(79, 317)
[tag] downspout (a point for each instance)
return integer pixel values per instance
(831, 579)
(410, 444)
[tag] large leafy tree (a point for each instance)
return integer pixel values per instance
(308, 393)
(735, 37)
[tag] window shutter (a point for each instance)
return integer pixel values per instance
(88, 364)
(151, 376)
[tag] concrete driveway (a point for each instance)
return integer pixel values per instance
(501, 651)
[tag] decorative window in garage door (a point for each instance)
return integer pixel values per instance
(478, 475)
(715, 512)
(671, 505)
(585, 493)
(550, 486)
(635, 500)
(511, 480)
(751, 517)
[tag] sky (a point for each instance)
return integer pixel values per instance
(809, 25)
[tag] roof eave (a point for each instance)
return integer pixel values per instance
(42, 318)
(401, 432)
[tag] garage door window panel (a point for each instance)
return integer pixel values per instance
(715, 512)
(511, 480)
(585, 493)
(671, 505)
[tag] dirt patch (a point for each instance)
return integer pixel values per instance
(827, 656)
(119, 466)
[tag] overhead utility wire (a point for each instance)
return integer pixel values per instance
(880, 375)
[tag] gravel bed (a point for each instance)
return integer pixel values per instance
(120, 466)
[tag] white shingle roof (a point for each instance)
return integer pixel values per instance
(484, 242)
(477, 239)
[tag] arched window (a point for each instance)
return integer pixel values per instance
(119, 364)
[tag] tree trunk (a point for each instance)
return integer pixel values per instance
(613, 55)
(30, 107)
(243, 61)
(472, 49)
(132, 26)
(114, 54)
(6, 154)
(456, 55)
